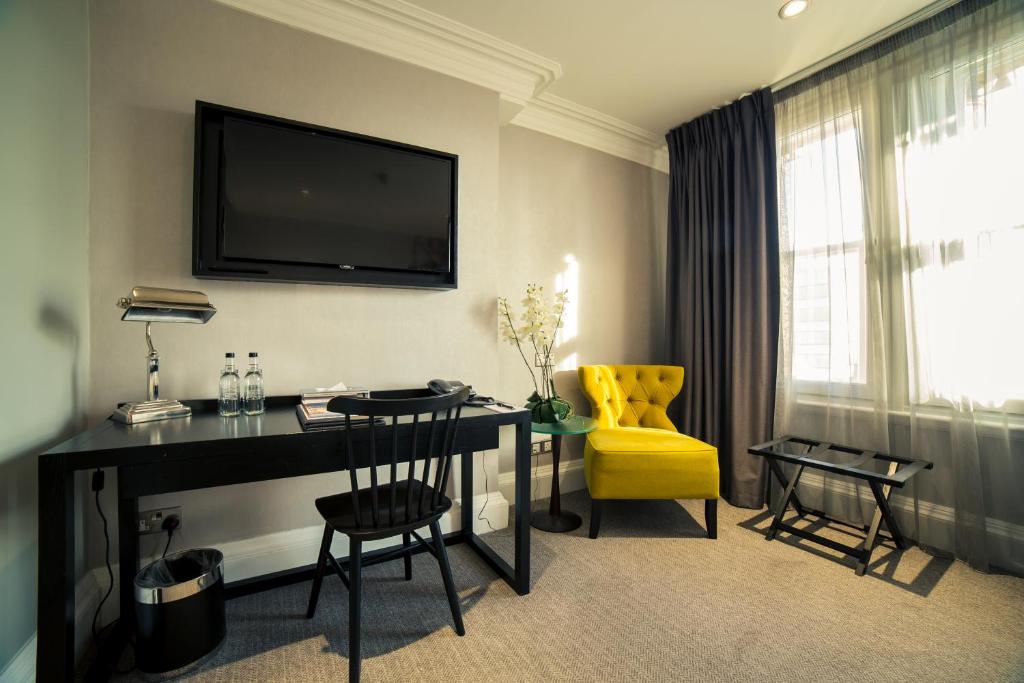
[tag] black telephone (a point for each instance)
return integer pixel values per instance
(446, 386)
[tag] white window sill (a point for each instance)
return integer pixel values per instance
(989, 422)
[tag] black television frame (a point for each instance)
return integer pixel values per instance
(206, 262)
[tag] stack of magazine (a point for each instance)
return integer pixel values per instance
(313, 413)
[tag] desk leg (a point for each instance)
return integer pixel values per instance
(105, 661)
(518, 575)
(55, 601)
(128, 559)
(467, 492)
(522, 559)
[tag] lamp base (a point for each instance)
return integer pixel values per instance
(150, 411)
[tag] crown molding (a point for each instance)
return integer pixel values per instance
(403, 31)
(568, 120)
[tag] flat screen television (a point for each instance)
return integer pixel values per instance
(293, 202)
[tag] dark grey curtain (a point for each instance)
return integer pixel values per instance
(723, 285)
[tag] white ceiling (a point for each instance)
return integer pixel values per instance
(658, 63)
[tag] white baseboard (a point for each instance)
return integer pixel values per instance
(88, 593)
(243, 559)
(570, 478)
(249, 557)
(22, 668)
(1006, 540)
(281, 550)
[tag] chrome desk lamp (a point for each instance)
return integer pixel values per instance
(156, 305)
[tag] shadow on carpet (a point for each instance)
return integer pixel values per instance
(885, 563)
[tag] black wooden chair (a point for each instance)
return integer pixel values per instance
(400, 506)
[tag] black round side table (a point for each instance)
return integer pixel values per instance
(556, 520)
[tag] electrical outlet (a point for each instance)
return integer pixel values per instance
(151, 521)
(539, 447)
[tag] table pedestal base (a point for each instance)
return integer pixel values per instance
(555, 520)
(557, 524)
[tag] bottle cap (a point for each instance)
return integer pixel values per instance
(229, 354)
(253, 354)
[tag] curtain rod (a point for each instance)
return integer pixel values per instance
(863, 44)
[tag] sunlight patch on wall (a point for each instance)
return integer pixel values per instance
(568, 364)
(569, 279)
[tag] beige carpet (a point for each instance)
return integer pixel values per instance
(651, 600)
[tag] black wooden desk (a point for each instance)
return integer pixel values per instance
(207, 450)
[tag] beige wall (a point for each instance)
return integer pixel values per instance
(150, 62)
(568, 209)
(43, 275)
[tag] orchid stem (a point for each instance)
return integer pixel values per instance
(519, 346)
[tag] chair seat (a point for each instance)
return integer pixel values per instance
(645, 440)
(646, 463)
(339, 512)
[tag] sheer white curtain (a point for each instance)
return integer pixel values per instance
(901, 194)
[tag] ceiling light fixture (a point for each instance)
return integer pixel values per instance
(792, 8)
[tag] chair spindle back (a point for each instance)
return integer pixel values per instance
(400, 421)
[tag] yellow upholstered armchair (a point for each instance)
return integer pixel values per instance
(636, 452)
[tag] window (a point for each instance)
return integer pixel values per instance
(901, 218)
(935, 158)
(823, 224)
(962, 221)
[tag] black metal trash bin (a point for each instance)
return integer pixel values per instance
(179, 610)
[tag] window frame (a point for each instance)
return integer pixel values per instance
(835, 125)
(854, 389)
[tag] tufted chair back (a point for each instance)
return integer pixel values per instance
(631, 395)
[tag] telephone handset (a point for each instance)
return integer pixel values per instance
(446, 386)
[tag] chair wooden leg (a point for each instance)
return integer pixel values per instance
(321, 564)
(711, 517)
(596, 508)
(407, 543)
(446, 574)
(355, 598)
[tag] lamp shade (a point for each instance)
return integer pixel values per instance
(159, 305)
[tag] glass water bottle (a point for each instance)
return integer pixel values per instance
(254, 386)
(229, 388)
